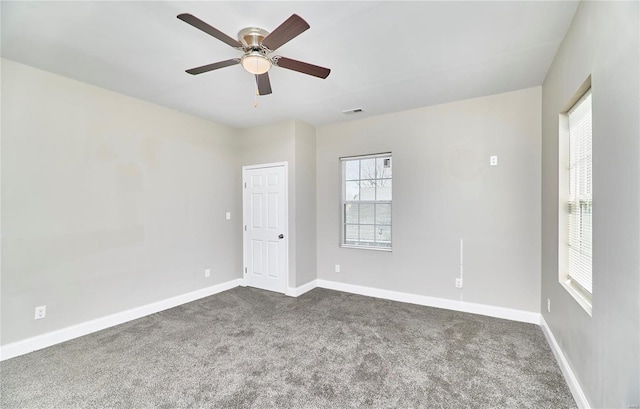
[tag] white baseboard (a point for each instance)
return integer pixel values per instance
(569, 375)
(65, 334)
(488, 310)
(298, 291)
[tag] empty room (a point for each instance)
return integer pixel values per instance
(279, 204)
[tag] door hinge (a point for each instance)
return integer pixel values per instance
(245, 185)
(245, 270)
(245, 227)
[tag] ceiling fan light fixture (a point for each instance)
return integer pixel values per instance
(256, 63)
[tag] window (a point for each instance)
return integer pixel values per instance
(366, 201)
(580, 198)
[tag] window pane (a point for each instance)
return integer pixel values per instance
(384, 189)
(383, 168)
(366, 214)
(367, 190)
(351, 233)
(367, 179)
(383, 214)
(580, 194)
(352, 170)
(367, 235)
(383, 234)
(351, 213)
(368, 168)
(352, 191)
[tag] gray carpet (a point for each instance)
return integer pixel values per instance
(248, 348)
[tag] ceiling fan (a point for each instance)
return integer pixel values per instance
(256, 45)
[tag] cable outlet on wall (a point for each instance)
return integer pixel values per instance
(337, 268)
(548, 304)
(493, 160)
(41, 312)
(458, 282)
(207, 273)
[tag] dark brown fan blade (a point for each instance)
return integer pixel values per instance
(285, 32)
(201, 25)
(214, 66)
(302, 67)
(264, 85)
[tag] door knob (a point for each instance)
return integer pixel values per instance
(281, 236)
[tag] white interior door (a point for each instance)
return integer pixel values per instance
(265, 227)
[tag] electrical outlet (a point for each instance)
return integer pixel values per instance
(41, 312)
(548, 304)
(337, 268)
(458, 282)
(207, 273)
(493, 161)
(228, 215)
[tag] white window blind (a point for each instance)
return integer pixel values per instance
(580, 193)
(366, 201)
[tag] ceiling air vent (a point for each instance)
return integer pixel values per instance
(352, 111)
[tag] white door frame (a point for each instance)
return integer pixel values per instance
(286, 218)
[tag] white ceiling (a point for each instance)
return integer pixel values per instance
(384, 56)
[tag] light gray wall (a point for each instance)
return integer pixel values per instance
(108, 202)
(445, 190)
(305, 153)
(603, 350)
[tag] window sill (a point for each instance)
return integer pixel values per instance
(347, 246)
(578, 296)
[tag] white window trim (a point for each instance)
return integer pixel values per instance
(342, 203)
(579, 295)
(582, 297)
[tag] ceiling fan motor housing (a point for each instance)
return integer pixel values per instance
(251, 38)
